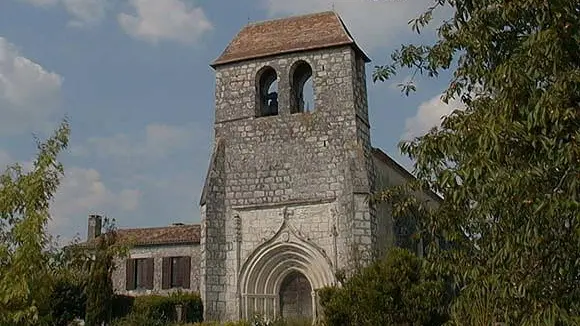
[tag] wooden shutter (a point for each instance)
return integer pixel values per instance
(130, 274)
(166, 273)
(186, 272)
(149, 272)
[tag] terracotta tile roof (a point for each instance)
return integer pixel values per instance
(174, 234)
(293, 34)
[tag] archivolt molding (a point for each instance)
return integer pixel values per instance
(288, 250)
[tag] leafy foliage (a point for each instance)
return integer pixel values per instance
(122, 305)
(68, 302)
(99, 290)
(25, 273)
(134, 319)
(191, 303)
(508, 165)
(393, 291)
(161, 307)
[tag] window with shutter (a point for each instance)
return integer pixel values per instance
(150, 272)
(140, 271)
(176, 272)
(166, 273)
(130, 274)
(186, 267)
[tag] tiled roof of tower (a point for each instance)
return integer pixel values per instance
(292, 34)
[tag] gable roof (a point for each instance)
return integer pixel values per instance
(167, 235)
(292, 34)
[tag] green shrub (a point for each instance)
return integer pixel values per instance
(67, 302)
(154, 307)
(122, 305)
(191, 303)
(162, 307)
(393, 291)
(135, 319)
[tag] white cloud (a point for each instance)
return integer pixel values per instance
(28, 92)
(5, 160)
(157, 20)
(83, 12)
(373, 23)
(157, 141)
(41, 3)
(81, 193)
(429, 115)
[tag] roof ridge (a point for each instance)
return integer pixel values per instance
(159, 227)
(298, 33)
(300, 16)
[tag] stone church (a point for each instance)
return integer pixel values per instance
(285, 202)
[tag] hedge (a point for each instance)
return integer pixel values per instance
(161, 307)
(122, 305)
(67, 302)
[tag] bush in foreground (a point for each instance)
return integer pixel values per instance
(163, 308)
(394, 291)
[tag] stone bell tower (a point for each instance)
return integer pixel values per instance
(284, 204)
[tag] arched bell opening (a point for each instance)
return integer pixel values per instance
(266, 92)
(301, 87)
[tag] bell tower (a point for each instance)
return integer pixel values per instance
(284, 204)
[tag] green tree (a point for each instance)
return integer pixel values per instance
(70, 266)
(99, 290)
(395, 290)
(25, 274)
(508, 165)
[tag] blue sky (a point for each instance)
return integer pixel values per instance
(133, 77)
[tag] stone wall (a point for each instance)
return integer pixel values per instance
(386, 177)
(389, 173)
(158, 252)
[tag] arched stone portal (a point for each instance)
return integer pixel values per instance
(296, 297)
(279, 273)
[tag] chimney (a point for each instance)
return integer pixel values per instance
(95, 225)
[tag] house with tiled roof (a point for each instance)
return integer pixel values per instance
(160, 259)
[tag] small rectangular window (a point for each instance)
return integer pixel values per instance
(176, 272)
(140, 274)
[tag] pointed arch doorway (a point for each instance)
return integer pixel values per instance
(280, 279)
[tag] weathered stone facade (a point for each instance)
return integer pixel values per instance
(285, 205)
(287, 193)
(160, 260)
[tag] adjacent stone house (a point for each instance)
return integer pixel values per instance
(285, 202)
(160, 259)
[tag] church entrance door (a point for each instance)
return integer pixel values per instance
(296, 297)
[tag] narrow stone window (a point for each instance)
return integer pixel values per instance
(302, 90)
(266, 92)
